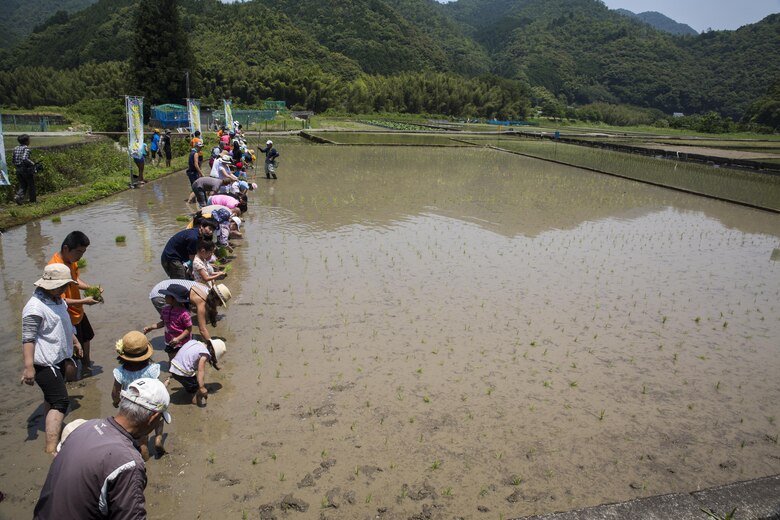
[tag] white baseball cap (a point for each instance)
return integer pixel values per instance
(151, 394)
(269, 142)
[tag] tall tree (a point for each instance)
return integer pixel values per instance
(161, 52)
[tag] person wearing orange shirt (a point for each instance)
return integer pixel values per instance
(72, 249)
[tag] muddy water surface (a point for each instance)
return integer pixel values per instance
(436, 331)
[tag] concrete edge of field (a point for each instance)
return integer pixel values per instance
(757, 499)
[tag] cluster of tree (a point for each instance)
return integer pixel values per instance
(765, 112)
(95, 92)
(400, 55)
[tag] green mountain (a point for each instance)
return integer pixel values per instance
(335, 53)
(583, 52)
(21, 17)
(660, 22)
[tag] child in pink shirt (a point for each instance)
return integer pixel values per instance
(175, 316)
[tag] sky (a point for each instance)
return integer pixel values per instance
(703, 14)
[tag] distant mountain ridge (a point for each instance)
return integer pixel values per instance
(661, 22)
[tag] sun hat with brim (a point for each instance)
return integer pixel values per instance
(237, 221)
(68, 430)
(179, 293)
(134, 346)
(223, 293)
(54, 277)
(151, 394)
(219, 348)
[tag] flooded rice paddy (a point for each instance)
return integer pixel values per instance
(441, 332)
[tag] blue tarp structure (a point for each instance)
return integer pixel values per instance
(170, 116)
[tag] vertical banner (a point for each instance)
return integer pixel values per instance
(4, 181)
(193, 112)
(228, 114)
(135, 126)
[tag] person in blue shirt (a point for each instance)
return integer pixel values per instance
(155, 147)
(182, 248)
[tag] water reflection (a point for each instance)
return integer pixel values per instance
(328, 187)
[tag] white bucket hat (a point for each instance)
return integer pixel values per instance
(54, 276)
(219, 348)
(269, 142)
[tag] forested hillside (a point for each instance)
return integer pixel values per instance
(21, 17)
(342, 54)
(584, 52)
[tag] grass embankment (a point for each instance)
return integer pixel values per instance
(76, 176)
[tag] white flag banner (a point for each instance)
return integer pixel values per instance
(193, 112)
(4, 181)
(135, 126)
(228, 114)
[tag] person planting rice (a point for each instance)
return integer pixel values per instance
(221, 215)
(203, 300)
(135, 362)
(189, 366)
(221, 169)
(72, 249)
(182, 247)
(175, 317)
(202, 269)
(235, 228)
(205, 186)
(230, 201)
(270, 159)
(48, 344)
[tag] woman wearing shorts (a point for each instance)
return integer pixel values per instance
(48, 343)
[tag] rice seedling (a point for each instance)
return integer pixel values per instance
(712, 515)
(120, 239)
(601, 414)
(82, 263)
(94, 292)
(56, 220)
(282, 477)
(447, 492)
(211, 457)
(436, 464)
(183, 218)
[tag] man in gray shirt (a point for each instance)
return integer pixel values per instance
(99, 472)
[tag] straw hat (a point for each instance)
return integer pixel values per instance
(54, 277)
(134, 347)
(219, 348)
(223, 292)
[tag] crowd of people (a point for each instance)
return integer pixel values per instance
(99, 465)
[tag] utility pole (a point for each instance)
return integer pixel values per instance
(187, 76)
